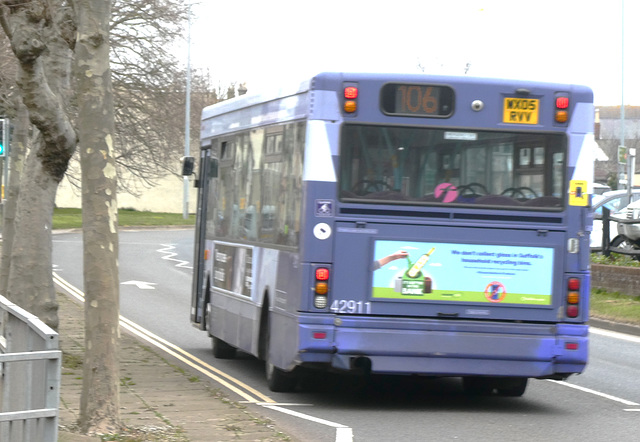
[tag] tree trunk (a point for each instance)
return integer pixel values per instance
(39, 33)
(16, 165)
(30, 282)
(99, 404)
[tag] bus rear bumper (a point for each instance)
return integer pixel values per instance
(450, 348)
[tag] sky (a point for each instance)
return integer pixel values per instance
(262, 43)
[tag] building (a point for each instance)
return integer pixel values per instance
(608, 126)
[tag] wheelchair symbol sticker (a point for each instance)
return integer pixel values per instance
(322, 231)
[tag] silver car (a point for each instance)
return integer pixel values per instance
(631, 212)
(615, 201)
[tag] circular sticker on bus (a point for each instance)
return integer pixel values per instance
(495, 291)
(446, 192)
(322, 231)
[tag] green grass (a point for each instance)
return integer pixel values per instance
(615, 259)
(615, 307)
(72, 219)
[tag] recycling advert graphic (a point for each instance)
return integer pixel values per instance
(462, 272)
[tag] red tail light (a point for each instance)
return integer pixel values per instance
(350, 103)
(350, 93)
(573, 297)
(562, 106)
(321, 287)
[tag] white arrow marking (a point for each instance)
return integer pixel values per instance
(141, 284)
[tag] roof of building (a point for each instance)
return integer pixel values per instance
(613, 112)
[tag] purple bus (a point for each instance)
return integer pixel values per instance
(398, 224)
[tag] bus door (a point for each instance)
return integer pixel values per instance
(207, 170)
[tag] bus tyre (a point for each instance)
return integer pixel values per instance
(484, 386)
(279, 380)
(511, 387)
(222, 350)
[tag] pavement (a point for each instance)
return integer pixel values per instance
(159, 401)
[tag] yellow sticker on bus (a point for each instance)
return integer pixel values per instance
(520, 110)
(578, 195)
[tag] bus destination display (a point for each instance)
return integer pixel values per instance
(419, 100)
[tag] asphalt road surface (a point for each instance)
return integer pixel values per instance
(155, 291)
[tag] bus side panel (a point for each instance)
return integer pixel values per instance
(288, 282)
(265, 273)
(283, 318)
(235, 314)
(318, 221)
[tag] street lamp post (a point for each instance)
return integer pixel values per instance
(187, 117)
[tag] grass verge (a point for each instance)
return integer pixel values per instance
(616, 307)
(72, 219)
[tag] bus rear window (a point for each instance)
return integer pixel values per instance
(408, 165)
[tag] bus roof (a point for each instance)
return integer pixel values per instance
(290, 102)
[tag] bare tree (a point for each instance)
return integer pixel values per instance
(42, 39)
(149, 87)
(48, 37)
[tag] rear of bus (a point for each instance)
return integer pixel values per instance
(446, 227)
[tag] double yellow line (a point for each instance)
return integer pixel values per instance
(248, 393)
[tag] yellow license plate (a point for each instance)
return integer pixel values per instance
(520, 110)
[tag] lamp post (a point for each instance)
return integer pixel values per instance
(187, 117)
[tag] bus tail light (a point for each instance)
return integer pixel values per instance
(562, 107)
(321, 287)
(573, 297)
(350, 105)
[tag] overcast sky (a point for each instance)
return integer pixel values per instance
(567, 41)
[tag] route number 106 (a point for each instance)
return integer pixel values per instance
(417, 99)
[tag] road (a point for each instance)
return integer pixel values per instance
(155, 275)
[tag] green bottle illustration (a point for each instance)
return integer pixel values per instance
(415, 269)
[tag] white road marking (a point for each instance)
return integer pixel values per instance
(597, 393)
(615, 335)
(169, 256)
(343, 432)
(143, 285)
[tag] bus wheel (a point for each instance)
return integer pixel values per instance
(511, 387)
(222, 350)
(278, 380)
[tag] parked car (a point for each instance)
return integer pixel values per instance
(615, 201)
(631, 212)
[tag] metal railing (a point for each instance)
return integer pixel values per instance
(29, 376)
